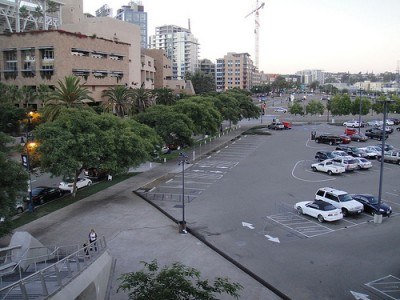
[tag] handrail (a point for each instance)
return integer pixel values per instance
(41, 277)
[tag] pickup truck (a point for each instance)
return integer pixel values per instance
(328, 139)
(328, 166)
(391, 156)
(375, 133)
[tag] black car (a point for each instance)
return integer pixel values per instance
(322, 155)
(375, 133)
(359, 137)
(370, 203)
(42, 194)
(328, 139)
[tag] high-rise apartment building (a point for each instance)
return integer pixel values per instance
(308, 76)
(234, 70)
(104, 11)
(181, 46)
(134, 13)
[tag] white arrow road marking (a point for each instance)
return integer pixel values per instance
(244, 224)
(272, 239)
(359, 296)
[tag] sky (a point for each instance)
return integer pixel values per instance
(330, 35)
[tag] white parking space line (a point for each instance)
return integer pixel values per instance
(397, 195)
(388, 285)
(300, 224)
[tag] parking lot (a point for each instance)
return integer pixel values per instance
(241, 199)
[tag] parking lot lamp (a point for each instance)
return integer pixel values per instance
(378, 215)
(359, 115)
(27, 163)
(328, 104)
(183, 159)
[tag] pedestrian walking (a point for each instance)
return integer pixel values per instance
(93, 240)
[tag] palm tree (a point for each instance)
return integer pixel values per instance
(142, 99)
(68, 94)
(119, 100)
(164, 96)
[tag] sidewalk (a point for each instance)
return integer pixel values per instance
(137, 231)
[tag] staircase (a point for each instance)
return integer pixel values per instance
(41, 276)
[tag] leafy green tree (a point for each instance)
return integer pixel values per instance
(27, 95)
(24, 13)
(119, 100)
(43, 93)
(228, 106)
(365, 106)
(79, 139)
(10, 117)
(164, 96)
(52, 7)
(296, 109)
(279, 84)
(174, 282)
(340, 105)
(261, 89)
(13, 182)
(314, 85)
(69, 93)
(315, 107)
(173, 127)
(37, 14)
(202, 83)
(9, 93)
(205, 116)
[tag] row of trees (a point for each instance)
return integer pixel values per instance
(124, 131)
(341, 105)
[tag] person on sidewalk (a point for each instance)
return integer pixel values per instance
(93, 240)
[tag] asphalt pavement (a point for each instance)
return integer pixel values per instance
(136, 231)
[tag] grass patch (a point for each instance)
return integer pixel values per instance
(57, 204)
(257, 130)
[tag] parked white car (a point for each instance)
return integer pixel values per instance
(280, 109)
(363, 163)
(339, 199)
(352, 124)
(321, 210)
(328, 166)
(348, 162)
(67, 185)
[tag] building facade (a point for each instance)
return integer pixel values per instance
(309, 76)
(234, 70)
(45, 57)
(134, 13)
(181, 46)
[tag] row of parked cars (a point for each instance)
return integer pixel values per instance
(375, 123)
(43, 194)
(332, 204)
(349, 158)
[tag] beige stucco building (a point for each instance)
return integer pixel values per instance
(234, 70)
(44, 57)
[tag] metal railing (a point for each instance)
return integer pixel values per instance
(49, 279)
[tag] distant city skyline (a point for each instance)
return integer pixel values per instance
(333, 36)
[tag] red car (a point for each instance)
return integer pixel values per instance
(287, 125)
(345, 139)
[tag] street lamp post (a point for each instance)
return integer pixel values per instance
(183, 159)
(359, 115)
(27, 165)
(328, 108)
(378, 215)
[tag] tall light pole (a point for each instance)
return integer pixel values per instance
(26, 163)
(359, 115)
(378, 215)
(183, 159)
(328, 108)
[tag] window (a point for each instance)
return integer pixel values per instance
(320, 193)
(332, 197)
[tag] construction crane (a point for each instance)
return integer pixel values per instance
(256, 30)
